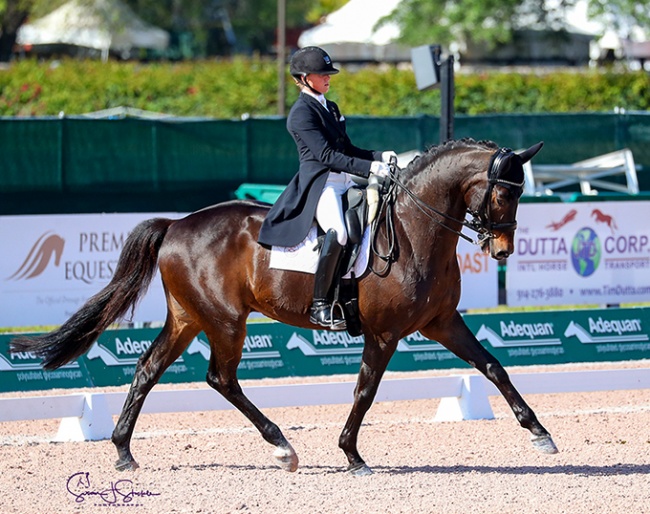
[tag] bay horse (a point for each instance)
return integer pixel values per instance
(215, 274)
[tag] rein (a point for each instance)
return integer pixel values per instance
(480, 222)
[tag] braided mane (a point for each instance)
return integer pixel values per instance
(433, 152)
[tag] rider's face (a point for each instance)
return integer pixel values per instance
(320, 83)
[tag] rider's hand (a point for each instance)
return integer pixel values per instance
(385, 156)
(379, 168)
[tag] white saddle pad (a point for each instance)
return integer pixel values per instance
(303, 257)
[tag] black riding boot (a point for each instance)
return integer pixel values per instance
(328, 265)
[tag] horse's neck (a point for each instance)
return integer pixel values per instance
(424, 231)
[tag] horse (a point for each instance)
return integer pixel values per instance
(215, 274)
(600, 217)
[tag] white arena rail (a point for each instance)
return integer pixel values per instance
(89, 416)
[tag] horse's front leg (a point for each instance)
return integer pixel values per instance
(458, 338)
(376, 355)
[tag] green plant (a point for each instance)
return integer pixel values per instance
(234, 87)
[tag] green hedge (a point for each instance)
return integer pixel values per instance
(229, 89)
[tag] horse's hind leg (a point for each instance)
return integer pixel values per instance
(459, 339)
(227, 344)
(164, 350)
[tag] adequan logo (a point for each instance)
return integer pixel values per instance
(340, 343)
(33, 363)
(613, 331)
(134, 349)
(202, 347)
(47, 247)
(520, 334)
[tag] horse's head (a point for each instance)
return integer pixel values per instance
(495, 218)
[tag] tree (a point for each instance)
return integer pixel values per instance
(493, 21)
(13, 14)
(226, 26)
(215, 26)
(622, 15)
(445, 21)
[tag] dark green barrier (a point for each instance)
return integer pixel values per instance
(73, 165)
(22, 372)
(273, 350)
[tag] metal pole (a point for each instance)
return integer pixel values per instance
(447, 99)
(282, 55)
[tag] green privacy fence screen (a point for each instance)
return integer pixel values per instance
(74, 165)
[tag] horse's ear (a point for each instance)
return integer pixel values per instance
(527, 155)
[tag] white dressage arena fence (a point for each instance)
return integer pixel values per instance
(597, 172)
(89, 416)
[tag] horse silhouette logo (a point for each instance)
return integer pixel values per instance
(601, 217)
(569, 216)
(39, 256)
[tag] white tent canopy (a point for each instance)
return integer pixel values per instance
(101, 24)
(348, 33)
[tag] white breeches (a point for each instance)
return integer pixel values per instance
(329, 211)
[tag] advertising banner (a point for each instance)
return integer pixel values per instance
(23, 372)
(479, 277)
(580, 253)
(273, 350)
(557, 337)
(52, 264)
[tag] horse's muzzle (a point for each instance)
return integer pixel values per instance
(501, 247)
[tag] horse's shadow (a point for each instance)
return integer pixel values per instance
(569, 469)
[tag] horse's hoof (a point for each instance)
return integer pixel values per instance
(544, 443)
(286, 457)
(359, 470)
(129, 465)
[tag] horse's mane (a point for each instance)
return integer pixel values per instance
(434, 152)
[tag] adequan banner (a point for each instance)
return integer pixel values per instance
(580, 253)
(23, 372)
(275, 350)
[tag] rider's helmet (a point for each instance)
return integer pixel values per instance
(311, 59)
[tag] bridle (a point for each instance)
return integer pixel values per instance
(480, 221)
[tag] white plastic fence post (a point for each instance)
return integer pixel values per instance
(472, 403)
(94, 424)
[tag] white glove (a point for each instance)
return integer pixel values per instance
(385, 156)
(379, 168)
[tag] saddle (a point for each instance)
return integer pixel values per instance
(360, 205)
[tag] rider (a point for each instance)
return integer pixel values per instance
(327, 159)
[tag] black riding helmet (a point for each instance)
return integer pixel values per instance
(311, 59)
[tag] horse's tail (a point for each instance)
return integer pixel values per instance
(135, 269)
